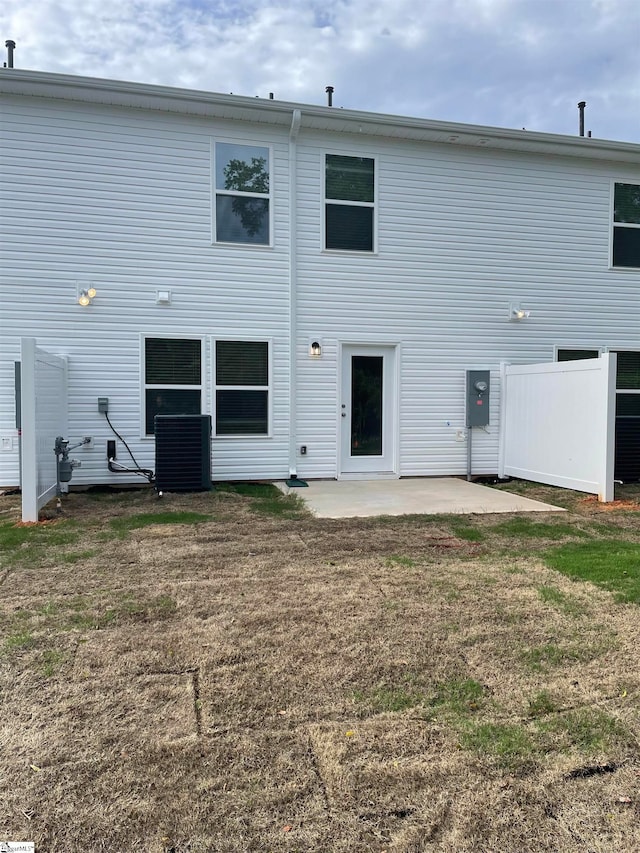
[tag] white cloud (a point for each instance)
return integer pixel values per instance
(505, 62)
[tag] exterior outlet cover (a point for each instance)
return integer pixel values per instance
(7, 443)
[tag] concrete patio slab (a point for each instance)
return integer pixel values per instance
(430, 496)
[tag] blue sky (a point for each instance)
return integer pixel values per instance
(509, 63)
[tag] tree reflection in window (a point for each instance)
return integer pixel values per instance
(248, 177)
(242, 193)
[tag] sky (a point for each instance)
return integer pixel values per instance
(506, 63)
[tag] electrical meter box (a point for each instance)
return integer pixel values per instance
(478, 388)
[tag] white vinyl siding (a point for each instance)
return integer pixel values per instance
(462, 233)
(122, 198)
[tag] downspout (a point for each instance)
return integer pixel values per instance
(296, 119)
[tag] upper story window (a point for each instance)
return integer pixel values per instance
(349, 203)
(243, 196)
(172, 378)
(626, 225)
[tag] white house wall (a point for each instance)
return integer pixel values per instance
(462, 233)
(121, 197)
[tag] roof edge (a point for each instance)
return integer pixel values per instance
(172, 99)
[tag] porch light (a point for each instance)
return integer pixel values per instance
(517, 313)
(315, 349)
(86, 295)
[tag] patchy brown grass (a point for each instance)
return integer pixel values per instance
(239, 678)
(627, 497)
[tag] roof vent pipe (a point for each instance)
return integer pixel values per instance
(329, 91)
(11, 46)
(581, 107)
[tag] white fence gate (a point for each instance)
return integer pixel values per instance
(43, 392)
(557, 424)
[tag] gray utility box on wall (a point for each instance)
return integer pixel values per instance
(478, 388)
(183, 453)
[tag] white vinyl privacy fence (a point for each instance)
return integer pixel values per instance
(558, 424)
(43, 394)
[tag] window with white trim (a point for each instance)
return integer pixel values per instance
(242, 387)
(627, 464)
(243, 195)
(626, 225)
(172, 378)
(349, 203)
(571, 354)
(628, 374)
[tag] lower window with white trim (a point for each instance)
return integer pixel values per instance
(172, 378)
(242, 387)
(571, 354)
(627, 466)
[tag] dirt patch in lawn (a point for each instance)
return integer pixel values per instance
(223, 672)
(592, 504)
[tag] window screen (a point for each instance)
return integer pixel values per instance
(349, 203)
(626, 225)
(242, 388)
(577, 354)
(173, 377)
(628, 372)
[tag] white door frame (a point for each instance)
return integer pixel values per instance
(387, 467)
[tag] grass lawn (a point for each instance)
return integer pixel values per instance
(223, 672)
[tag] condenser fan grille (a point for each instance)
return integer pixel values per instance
(183, 452)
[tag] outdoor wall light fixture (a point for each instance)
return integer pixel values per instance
(517, 313)
(86, 295)
(315, 349)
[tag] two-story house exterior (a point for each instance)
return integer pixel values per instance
(316, 279)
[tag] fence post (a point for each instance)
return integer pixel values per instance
(503, 418)
(609, 371)
(29, 460)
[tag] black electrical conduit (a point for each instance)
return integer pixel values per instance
(121, 469)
